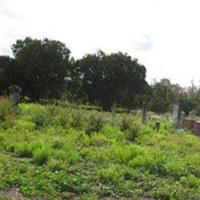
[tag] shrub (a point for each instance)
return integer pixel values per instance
(37, 114)
(131, 126)
(7, 113)
(25, 125)
(78, 119)
(23, 149)
(56, 165)
(96, 123)
(63, 119)
(123, 154)
(57, 144)
(176, 168)
(6, 108)
(113, 133)
(110, 175)
(59, 155)
(100, 140)
(99, 155)
(126, 122)
(9, 121)
(41, 155)
(71, 183)
(72, 156)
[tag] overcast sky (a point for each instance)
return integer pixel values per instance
(163, 34)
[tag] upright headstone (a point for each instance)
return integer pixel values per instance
(144, 113)
(15, 93)
(190, 113)
(182, 115)
(177, 115)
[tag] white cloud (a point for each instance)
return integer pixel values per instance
(144, 43)
(163, 34)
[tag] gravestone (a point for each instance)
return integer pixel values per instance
(176, 115)
(15, 93)
(182, 115)
(144, 113)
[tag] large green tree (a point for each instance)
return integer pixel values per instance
(164, 95)
(41, 67)
(6, 64)
(109, 79)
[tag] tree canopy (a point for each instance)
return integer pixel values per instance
(44, 69)
(41, 67)
(6, 64)
(107, 80)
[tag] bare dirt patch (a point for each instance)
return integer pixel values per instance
(12, 194)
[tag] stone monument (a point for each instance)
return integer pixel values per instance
(15, 91)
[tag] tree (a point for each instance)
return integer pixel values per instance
(6, 64)
(110, 79)
(164, 95)
(41, 67)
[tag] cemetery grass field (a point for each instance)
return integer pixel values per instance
(65, 152)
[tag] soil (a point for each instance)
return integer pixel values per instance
(12, 194)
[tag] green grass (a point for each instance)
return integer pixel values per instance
(62, 152)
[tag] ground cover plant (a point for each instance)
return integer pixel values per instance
(61, 152)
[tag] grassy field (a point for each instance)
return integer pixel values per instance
(59, 152)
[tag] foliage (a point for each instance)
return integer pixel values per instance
(6, 63)
(46, 73)
(109, 79)
(96, 123)
(41, 67)
(40, 156)
(6, 108)
(8, 113)
(164, 96)
(120, 159)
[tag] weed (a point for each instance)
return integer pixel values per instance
(6, 108)
(41, 155)
(96, 123)
(78, 120)
(23, 150)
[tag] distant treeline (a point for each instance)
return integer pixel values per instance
(44, 69)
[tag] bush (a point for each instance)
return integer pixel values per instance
(72, 156)
(6, 108)
(23, 150)
(41, 155)
(110, 175)
(7, 113)
(63, 119)
(126, 122)
(78, 119)
(37, 114)
(25, 125)
(57, 144)
(56, 165)
(113, 133)
(131, 126)
(96, 123)
(100, 140)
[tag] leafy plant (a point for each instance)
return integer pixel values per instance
(95, 124)
(6, 108)
(41, 155)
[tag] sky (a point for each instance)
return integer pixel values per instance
(163, 34)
